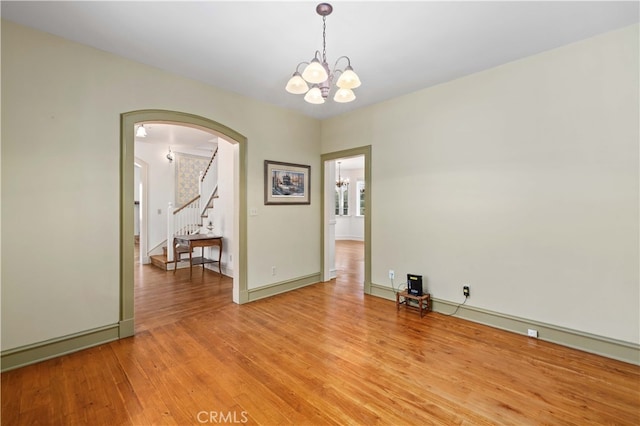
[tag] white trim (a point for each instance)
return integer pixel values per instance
(144, 211)
(349, 238)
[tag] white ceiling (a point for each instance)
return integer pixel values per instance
(179, 138)
(199, 142)
(351, 163)
(252, 48)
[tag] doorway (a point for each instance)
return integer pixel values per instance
(169, 158)
(333, 200)
(348, 219)
(239, 249)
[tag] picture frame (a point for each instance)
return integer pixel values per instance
(286, 183)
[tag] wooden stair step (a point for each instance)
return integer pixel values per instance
(160, 260)
(180, 249)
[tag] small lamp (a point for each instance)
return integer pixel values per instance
(141, 132)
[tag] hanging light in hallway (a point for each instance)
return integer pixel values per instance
(141, 132)
(341, 182)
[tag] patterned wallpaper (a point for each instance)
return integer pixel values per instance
(188, 168)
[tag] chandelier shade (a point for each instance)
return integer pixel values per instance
(315, 72)
(314, 96)
(348, 79)
(344, 95)
(318, 75)
(297, 85)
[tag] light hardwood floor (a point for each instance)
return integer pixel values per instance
(324, 354)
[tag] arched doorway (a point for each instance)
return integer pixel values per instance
(127, 129)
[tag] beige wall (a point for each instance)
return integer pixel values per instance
(520, 181)
(61, 106)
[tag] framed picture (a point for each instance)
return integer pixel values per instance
(286, 183)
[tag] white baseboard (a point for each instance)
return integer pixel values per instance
(349, 238)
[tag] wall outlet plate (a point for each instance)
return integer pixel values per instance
(392, 274)
(466, 291)
(532, 333)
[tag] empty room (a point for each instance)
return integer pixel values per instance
(362, 212)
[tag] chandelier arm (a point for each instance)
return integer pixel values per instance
(335, 67)
(301, 63)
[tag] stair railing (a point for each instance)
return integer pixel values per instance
(204, 174)
(209, 203)
(188, 219)
(182, 221)
(208, 183)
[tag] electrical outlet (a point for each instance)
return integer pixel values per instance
(532, 333)
(466, 291)
(392, 274)
(273, 270)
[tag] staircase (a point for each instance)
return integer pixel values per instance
(191, 218)
(161, 260)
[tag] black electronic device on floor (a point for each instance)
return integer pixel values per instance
(414, 284)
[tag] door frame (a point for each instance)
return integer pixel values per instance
(331, 156)
(144, 209)
(127, 138)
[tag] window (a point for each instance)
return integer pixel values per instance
(361, 200)
(342, 201)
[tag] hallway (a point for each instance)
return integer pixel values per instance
(163, 298)
(350, 262)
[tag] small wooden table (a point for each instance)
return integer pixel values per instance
(193, 241)
(424, 301)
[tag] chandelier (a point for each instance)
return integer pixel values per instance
(340, 183)
(317, 72)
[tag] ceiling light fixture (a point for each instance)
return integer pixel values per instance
(318, 74)
(340, 183)
(141, 132)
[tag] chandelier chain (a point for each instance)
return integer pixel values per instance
(324, 39)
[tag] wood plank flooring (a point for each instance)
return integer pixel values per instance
(322, 355)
